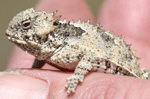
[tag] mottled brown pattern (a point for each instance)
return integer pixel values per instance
(76, 46)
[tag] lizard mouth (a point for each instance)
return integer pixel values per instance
(29, 47)
(15, 39)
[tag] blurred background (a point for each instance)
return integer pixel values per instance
(8, 9)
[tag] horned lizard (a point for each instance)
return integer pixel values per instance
(77, 46)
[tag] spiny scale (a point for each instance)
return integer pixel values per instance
(78, 46)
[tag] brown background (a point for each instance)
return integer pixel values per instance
(8, 9)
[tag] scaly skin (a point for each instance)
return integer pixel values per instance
(77, 46)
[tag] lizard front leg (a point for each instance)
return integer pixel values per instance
(38, 63)
(81, 70)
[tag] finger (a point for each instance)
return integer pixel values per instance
(130, 19)
(14, 86)
(69, 9)
(42, 84)
(19, 59)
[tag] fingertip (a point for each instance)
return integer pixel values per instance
(98, 85)
(69, 9)
(14, 86)
(19, 59)
(125, 17)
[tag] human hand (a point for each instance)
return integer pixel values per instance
(115, 16)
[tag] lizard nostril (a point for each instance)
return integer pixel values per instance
(7, 34)
(26, 37)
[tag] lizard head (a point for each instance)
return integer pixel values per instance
(30, 31)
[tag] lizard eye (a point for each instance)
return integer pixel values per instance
(27, 24)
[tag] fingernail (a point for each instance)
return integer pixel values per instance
(14, 86)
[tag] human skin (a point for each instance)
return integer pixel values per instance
(126, 17)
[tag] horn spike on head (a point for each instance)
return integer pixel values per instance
(56, 18)
(54, 13)
(88, 21)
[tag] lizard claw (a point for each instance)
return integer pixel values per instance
(72, 83)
